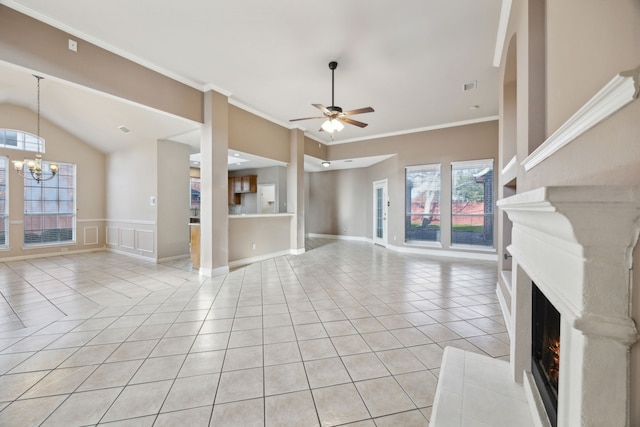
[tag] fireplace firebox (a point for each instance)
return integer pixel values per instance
(545, 351)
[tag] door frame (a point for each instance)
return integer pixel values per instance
(383, 183)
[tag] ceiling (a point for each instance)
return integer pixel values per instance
(408, 60)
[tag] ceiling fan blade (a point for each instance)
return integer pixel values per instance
(352, 122)
(307, 118)
(322, 108)
(358, 111)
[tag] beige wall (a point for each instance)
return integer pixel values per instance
(331, 196)
(131, 182)
(90, 181)
(584, 51)
(251, 134)
(338, 203)
(270, 235)
(38, 46)
(173, 200)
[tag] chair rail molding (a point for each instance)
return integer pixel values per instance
(620, 91)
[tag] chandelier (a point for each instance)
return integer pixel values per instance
(35, 166)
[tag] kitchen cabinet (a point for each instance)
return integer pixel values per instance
(241, 185)
(234, 196)
(249, 184)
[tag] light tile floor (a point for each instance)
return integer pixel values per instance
(346, 334)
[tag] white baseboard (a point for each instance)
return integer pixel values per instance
(132, 255)
(50, 254)
(209, 272)
(444, 253)
(340, 237)
(174, 258)
(258, 258)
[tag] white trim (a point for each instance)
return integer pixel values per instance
(208, 272)
(507, 169)
(616, 94)
(299, 251)
(174, 258)
(260, 114)
(132, 255)
(384, 185)
(49, 254)
(416, 130)
(110, 231)
(445, 253)
(258, 258)
(92, 220)
(340, 237)
(536, 407)
(506, 310)
(131, 221)
(139, 238)
(501, 37)
(86, 242)
(121, 240)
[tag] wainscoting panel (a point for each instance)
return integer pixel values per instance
(128, 238)
(112, 236)
(144, 238)
(91, 235)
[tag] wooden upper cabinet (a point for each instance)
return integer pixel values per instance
(241, 184)
(250, 184)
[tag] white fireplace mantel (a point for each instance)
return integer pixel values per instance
(576, 244)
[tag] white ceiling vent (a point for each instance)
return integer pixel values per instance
(124, 129)
(470, 86)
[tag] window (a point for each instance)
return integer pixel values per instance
(4, 203)
(472, 203)
(21, 141)
(422, 213)
(49, 207)
(195, 196)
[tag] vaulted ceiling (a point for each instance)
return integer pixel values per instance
(408, 60)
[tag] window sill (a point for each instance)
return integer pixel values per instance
(49, 245)
(421, 244)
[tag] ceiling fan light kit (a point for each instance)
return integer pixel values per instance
(335, 115)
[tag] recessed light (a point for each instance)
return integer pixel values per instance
(348, 161)
(124, 129)
(326, 164)
(474, 107)
(236, 154)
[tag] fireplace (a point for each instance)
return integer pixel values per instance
(559, 244)
(545, 351)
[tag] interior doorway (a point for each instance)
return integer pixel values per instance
(267, 198)
(380, 210)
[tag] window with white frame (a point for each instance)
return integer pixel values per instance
(422, 212)
(4, 202)
(19, 140)
(49, 207)
(472, 200)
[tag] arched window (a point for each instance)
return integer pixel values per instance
(20, 140)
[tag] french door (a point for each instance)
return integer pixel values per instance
(380, 208)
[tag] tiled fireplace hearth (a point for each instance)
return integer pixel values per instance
(576, 245)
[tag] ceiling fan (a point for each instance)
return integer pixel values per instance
(334, 114)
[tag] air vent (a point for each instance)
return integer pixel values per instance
(124, 129)
(470, 86)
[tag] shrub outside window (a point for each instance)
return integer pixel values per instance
(422, 213)
(472, 203)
